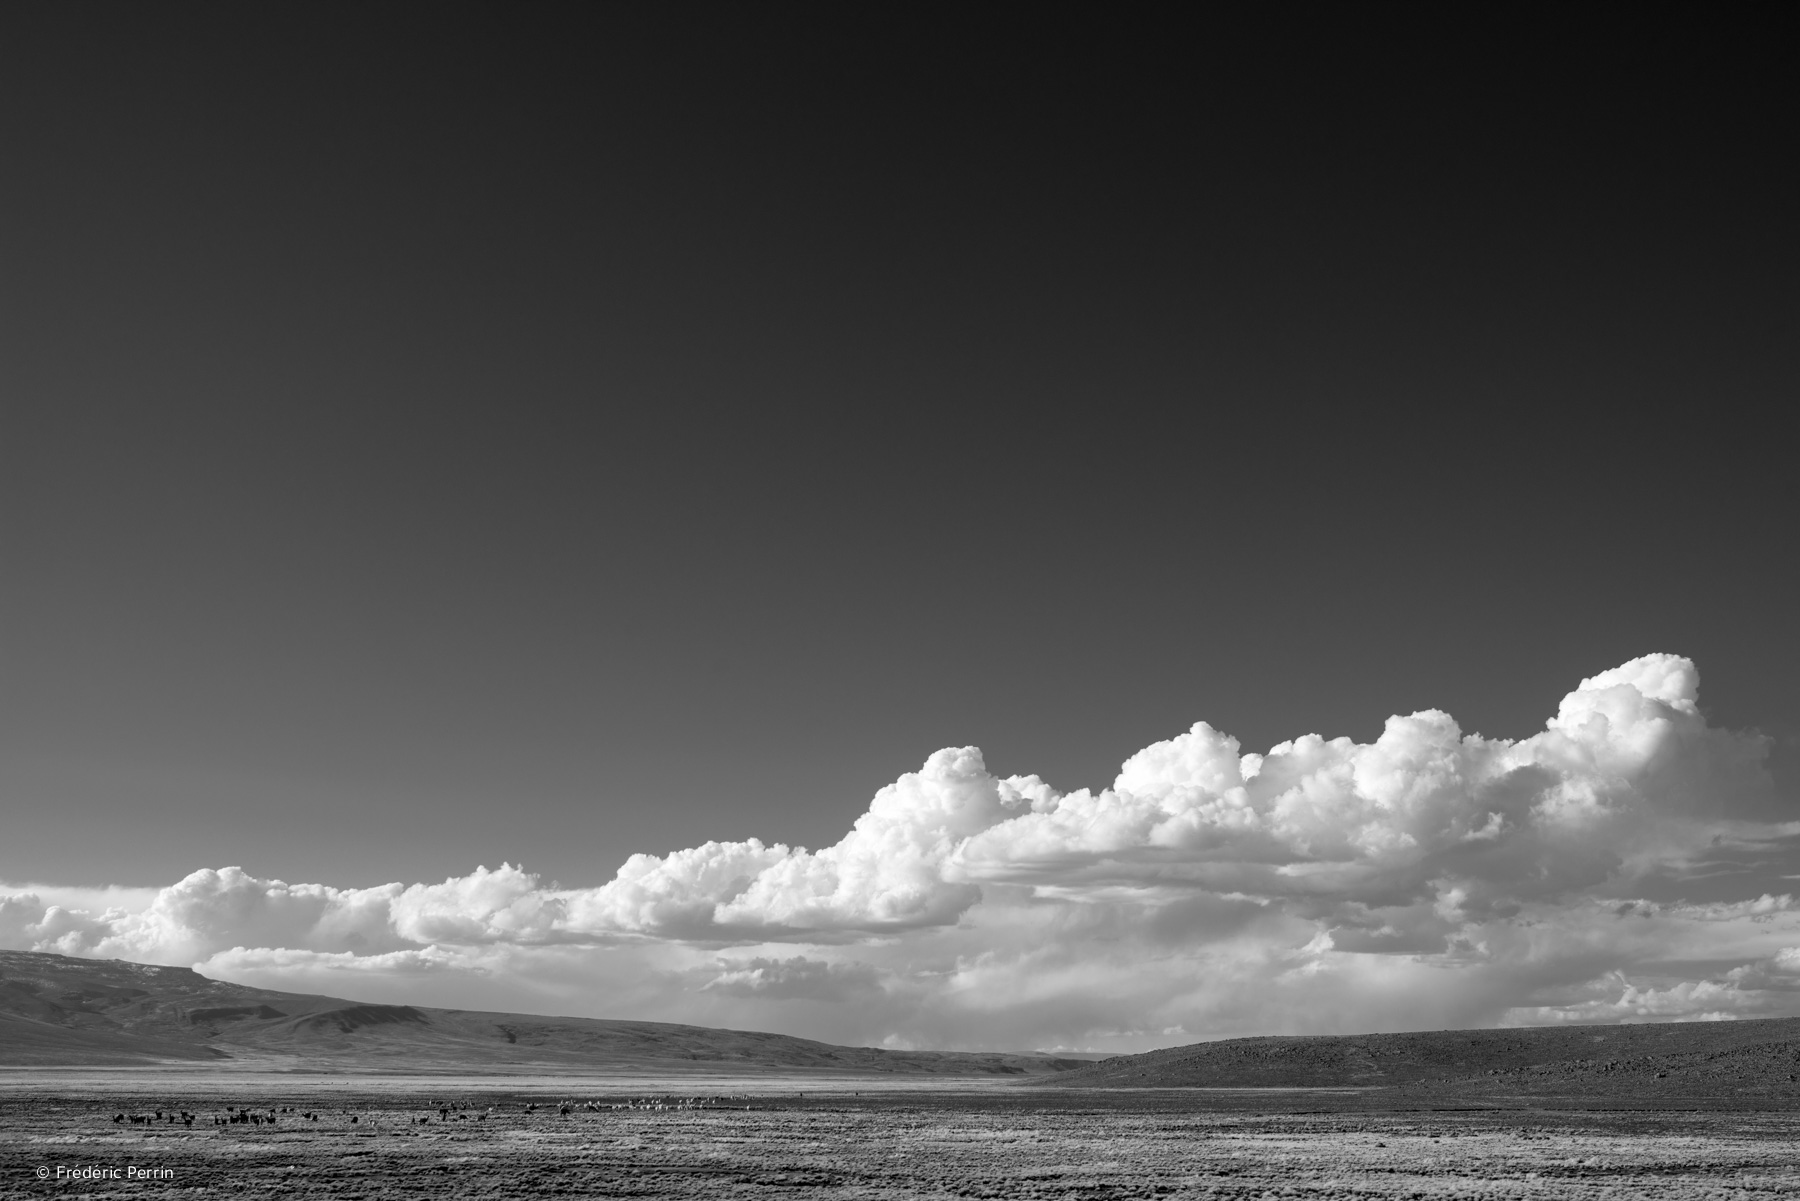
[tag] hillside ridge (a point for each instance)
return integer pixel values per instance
(57, 1010)
(1761, 1053)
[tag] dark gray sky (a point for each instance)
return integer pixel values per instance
(447, 435)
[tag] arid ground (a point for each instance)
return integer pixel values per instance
(428, 1137)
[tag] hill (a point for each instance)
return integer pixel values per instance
(62, 1011)
(1670, 1057)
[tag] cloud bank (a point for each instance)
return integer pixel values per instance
(1607, 868)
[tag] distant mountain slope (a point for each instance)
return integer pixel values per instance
(60, 1010)
(1761, 1053)
(25, 1041)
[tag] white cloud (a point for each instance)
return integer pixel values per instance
(1428, 878)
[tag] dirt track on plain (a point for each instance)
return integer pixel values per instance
(989, 1145)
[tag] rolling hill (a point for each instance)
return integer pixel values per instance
(1663, 1057)
(62, 1011)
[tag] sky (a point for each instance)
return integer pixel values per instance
(481, 489)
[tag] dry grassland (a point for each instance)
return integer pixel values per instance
(891, 1145)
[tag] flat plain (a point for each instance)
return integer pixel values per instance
(399, 1137)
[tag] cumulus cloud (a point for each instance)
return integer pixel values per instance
(1612, 866)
